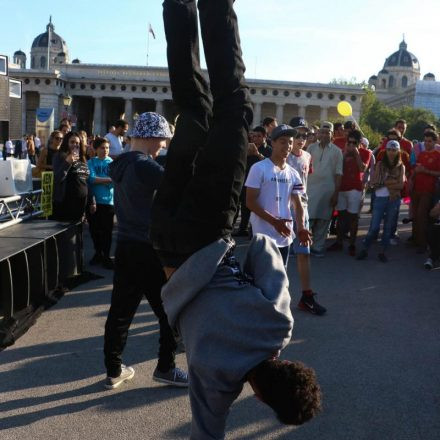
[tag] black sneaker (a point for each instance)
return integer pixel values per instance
(175, 377)
(108, 263)
(97, 259)
(383, 258)
(308, 304)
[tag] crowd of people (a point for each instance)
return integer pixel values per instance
(338, 169)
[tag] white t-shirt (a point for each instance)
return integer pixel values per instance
(303, 165)
(9, 147)
(382, 192)
(37, 142)
(276, 187)
(115, 144)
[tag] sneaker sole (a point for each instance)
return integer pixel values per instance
(170, 382)
(118, 384)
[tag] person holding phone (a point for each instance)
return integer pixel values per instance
(70, 179)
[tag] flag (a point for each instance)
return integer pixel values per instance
(150, 30)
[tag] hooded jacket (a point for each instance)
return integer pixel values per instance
(229, 325)
(136, 178)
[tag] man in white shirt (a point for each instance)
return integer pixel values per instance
(9, 148)
(323, 186)
(115, 139)
(272, 186)
(37, 142)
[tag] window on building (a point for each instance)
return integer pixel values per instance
(43, 62)
(405, 81)
(391, 82)
(33, 63)
(384, 83)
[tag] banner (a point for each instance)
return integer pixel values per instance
(47, 196)
(44, 124)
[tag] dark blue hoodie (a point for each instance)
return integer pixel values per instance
(136, 178)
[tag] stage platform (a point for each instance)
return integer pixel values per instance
(34, 256)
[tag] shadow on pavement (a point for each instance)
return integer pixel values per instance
(108, 401)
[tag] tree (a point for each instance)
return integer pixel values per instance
(377, 118)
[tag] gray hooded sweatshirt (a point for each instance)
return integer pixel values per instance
(228, 325)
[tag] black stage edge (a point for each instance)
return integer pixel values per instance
(35, 257)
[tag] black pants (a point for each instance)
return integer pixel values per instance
(434, 241)
(101, 228)
(245, 213)
(206, 160)
(138, 272)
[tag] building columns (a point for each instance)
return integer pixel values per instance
(257, 114)
(97, 117)
(23, 114)
(280, 113)
(128, 111)
(324, 113)
(159, 107)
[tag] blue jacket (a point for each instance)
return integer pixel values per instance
(100, 168)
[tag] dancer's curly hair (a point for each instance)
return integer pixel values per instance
(289, 388)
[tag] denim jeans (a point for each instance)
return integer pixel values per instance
(387, 209)
(206, 160)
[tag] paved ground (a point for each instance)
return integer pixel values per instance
(376, 353)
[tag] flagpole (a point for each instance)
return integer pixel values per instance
(148, 43)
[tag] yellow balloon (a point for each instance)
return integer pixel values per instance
(344, 109)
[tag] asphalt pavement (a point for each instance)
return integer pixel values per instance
(376, 353)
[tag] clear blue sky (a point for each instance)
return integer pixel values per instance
(288, 40)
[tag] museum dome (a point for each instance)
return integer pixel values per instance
(19, 52)
(402, 58)
(56, 42)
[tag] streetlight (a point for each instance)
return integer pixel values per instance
(67, 100)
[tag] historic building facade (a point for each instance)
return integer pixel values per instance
(103, 93)
(399, 84)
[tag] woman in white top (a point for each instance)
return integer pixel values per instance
(387, 182)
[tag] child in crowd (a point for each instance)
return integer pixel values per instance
(101, 211)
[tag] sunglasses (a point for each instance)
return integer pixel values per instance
(352, 143)
(58, 138)
(301, 136)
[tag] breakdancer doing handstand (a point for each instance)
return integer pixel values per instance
(234, 323)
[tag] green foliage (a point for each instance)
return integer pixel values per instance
(353, 81)
(376, 119)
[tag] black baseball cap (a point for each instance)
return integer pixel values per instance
(283, 130)
(298, 122)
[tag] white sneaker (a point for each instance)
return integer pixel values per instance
(429, 264)
(394, 241)
(127, 373)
